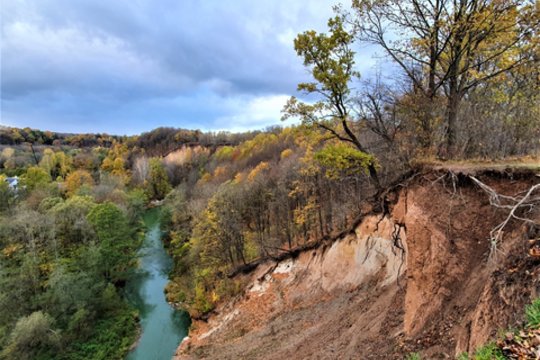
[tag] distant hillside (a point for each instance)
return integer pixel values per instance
(158, 142)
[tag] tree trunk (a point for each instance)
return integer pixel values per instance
(374, 177)
(451, 119)
(371, 168)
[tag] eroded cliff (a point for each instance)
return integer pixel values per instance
(419, 276)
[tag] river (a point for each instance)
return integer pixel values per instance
(163, 327)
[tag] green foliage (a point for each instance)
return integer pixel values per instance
(110, 338)
(35, 177)
(62, 257)
(491, 351)
(413, 356)
(201, 301)
(49, 202)
(176, 220)
(157, 186)
(340, 158)
(329, 56)
(532, 314)
(30, 334)
(7, 195)
(488, 352)
(115, 240)
(136, 205)
(224, 153)
(56, 164)
(331, 61)
(70, 220)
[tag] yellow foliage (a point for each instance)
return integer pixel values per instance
(214, 297)
(115, 162)
(10, 250)
(220, 171)
(239, 177)
(77, 179)
(257, 144)
(206, 178)
(286, 153)
(224, 153)
(263, 165)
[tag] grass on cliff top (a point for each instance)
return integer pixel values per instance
(471, 165)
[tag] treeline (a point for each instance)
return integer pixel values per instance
(163, 140)
(158, 142)
(16, 136)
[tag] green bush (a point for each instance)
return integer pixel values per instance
(532, 314)
(413, 356)
(110, 339)
(488, 352)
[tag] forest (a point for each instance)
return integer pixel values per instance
(467, 87)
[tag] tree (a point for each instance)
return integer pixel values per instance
(7, 195)
(57, 164)
(157, 186)
(140, 170)
(35, 177)
(115, 161)
(78, 179)
(342, 159)
(486, 39)
(71, 225)
(331, 62)
(30, 333)
(115, 239)
(450, 47)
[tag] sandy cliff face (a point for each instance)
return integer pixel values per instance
(417, 278)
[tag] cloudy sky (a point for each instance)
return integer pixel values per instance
(127, 66)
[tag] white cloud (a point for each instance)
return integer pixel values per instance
(251, 113)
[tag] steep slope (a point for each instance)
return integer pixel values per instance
(415, 278)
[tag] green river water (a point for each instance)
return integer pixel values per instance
(163, 327)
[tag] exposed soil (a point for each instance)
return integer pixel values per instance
(418, 279)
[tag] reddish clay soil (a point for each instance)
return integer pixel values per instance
(417, 279)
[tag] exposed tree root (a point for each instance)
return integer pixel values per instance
(516, 203)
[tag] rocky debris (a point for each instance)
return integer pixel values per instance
(523, 345)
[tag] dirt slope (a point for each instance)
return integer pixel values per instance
(415, 279)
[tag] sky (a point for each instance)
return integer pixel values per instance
(129, 66)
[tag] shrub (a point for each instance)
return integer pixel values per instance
(532, 314)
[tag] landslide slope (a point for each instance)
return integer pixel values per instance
(416, 278)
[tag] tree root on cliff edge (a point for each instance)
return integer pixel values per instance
(527, 202)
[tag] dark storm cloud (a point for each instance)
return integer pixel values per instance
(185, 62)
